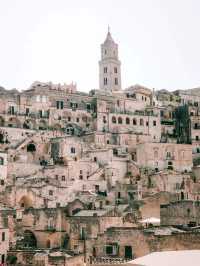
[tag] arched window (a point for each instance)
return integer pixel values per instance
(29, 239)
(73, 150)
(141, 122)
(1, 161)
(114, 120)
(127, 120)
(134, 121)
(51, 223)
(155, 154)
(119, 120)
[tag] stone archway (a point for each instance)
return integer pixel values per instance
(29, 239)
(26, 202)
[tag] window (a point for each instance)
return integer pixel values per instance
(82, 233)
(155, 154)
(127, 120)
(115, 70)
(3, 236)
(116, 81)
(1, 161)
(73, 150)
(44, 98)
(2, 182)
(2, 258)
(88, 106)
(197, 137)
(50, 192)
(119, 120)
(12, 110)
(37, 98)
(27, 111)
(170, 165)
(105, 81)
(63, 178)
(111, 250)
(168, 154)
(104, 119)
(105, 70)
(69, 118)
(134, 122)
(141, 122)
(77, 119)
(114, 120)
(73, 105)
(105, 51)
(154, 123)
(59, 104)
(147, 123)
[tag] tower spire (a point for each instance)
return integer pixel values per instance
(109, 65)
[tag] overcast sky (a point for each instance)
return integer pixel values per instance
(59, 41)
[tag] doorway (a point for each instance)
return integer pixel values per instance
(128, 252)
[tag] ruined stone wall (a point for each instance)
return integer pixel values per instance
(181, 212)
(142, 243)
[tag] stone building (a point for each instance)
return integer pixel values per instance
(79, 171)
(161, 156)
(186, 212)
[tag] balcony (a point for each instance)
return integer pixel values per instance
(137, 112)
(109, 260)
(31, 114)
(167, 122)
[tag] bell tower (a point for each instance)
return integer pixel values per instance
(109, 65)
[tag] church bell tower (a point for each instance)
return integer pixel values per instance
(109, 65)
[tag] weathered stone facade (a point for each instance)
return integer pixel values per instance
(81, 173)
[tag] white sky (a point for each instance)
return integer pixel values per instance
(59, 41)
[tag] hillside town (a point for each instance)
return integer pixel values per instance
(98, 178)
